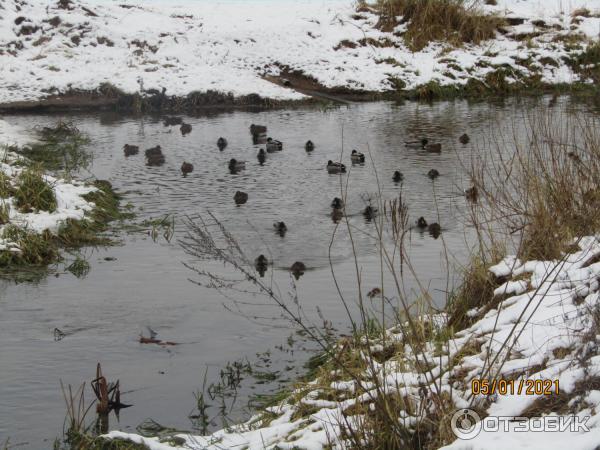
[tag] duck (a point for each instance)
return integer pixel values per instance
(464, 139)
(337, 203)
(257, 129)
(260, 138)
(434, 229)
(433, 148)
(185, 128)
(186, 168)
(274, 145)
(357, 157)
(221, 143)
(433, 174)
(130, 150)
(262, 156)
(421, 222)
(240, 198)
(416, 144)
(397, 177)
(309, 146)
(472, 193)
(235, 165)
(260, 264)
(172, 121)
(154, 156)
(297, 269)
(369, 212)
(335, 167)
(280, 228)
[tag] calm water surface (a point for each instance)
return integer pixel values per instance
(144, 283)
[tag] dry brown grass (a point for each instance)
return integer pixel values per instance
(453, 21)
(546, 191)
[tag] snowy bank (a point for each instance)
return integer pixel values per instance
(68, 195)
(551, 327)
(234, 47)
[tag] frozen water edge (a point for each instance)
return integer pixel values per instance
(186, 46)
(558, 342)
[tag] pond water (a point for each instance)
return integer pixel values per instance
(143, 282)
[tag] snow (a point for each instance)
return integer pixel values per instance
(191, 45)
(70, 203)
(555, 339)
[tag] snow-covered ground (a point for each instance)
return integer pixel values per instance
(70, 203)
(556, 339)
(229, 46)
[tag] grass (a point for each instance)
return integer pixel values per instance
(60, 148)
(43, 249)
(90, 231)
(33, 193)
(452, 21)
(587, 63)
(546, 190)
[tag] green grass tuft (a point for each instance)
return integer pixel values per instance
(33, 193)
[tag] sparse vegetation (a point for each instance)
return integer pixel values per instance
(453, 21)
(33, 193)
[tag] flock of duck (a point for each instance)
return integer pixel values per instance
(155, 157)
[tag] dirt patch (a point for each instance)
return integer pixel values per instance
(298, 81)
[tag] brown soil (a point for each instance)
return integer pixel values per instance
(307, 85)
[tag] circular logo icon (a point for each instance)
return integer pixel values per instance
(466, 424)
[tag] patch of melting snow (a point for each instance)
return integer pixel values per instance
(559, 341)
(70, 203)
(188, 45)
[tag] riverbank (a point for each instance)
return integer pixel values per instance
(191, 55)
(45, 209)
(561, 300)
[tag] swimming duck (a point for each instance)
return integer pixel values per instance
(186, 168)
(335, 167)
(433, 174)
(257, 129)
(472, 193)
(297, 269)
(260, 264)
(171, 121)
(221, 143)
(433, 148)
(130, 150)
(235, 165)
(416, 144)
(262, 156)
(421, 222)
(337, 203)
(185, 128)
(464, 139)
(280, 228)
(309, 146)
(240, 198)
(154, 156)
(357, 157)
(434, 229)
(369, 212)
(274, 145)
(397, 177)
